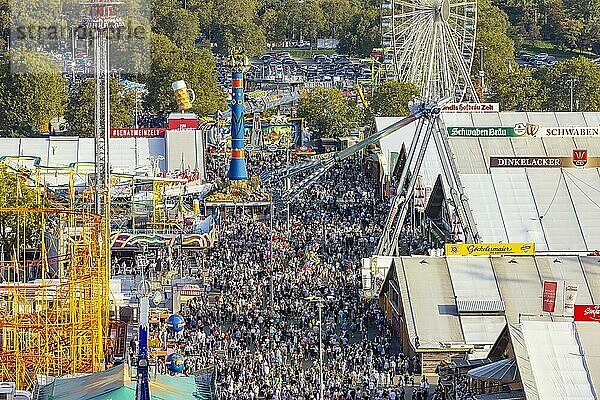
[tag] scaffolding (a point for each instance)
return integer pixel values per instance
(54, 294)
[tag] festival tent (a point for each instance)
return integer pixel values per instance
(500, 371)
(115, 384)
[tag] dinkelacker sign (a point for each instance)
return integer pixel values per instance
(579, 159)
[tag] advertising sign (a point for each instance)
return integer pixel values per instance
(579, 159)
(561, 131)
(137, 132)
(570, 296)
(489, 249)
(471, 131)
(471, 107)
(549, 296)
(587, 313)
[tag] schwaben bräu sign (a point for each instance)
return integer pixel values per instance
(523, 130)
(579, 159)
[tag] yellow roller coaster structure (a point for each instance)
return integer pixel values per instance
(54, 294)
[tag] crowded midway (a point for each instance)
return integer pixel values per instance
(260, 324)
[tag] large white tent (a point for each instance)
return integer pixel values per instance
(556, 208)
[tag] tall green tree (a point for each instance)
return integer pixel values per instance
(556, 82)
(336, 12)
(309, 20)
(180, 26)
(518, 90)
(362, 32)
(391, 99)
(80, 111)
(195, 66)
(235, 26)
(492, 43)
(327, 113)
(33, 92)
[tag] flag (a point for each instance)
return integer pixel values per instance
(265, 175)
(204, 226)
(571, 290)
(549, 296)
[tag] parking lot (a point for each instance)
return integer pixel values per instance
(526, 60)
(282, 67)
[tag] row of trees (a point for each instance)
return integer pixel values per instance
(572, 24)
(251, 24)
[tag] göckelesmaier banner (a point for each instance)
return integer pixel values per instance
(489, 249)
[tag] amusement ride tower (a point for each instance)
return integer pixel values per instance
(237, 167)
(101, 21)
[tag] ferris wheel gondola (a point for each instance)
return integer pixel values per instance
(431, 44)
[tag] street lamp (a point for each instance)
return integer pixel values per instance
(571, 82)
(481, 71)
(320, 301)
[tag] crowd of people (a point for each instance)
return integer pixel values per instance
(259, 326)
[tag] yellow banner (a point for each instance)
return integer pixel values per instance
(490, 249)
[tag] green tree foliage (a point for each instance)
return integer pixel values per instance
(336, 14)
(80, 112)
(235, 25)
(556, 84)
(493, 42)
(391, 99)
(310, 20)
(4, 22)
(195, 66)
(33, 92)
(14, 227)
(362, 33)
(180, 26)
(327, 113)
(573, 24)
(518, 90)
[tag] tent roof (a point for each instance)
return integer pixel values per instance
(114, 384)
(500, 371)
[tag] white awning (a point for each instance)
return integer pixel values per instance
(588, 334)
(556, 361)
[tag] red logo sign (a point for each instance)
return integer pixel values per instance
(137, 132)
(580, 158)
(549, 297)
(589, 313)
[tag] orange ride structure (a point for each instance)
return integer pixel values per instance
(54, 293)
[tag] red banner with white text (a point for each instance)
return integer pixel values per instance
(549, 296)
(587, 313)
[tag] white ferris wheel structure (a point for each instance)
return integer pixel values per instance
(431, 44)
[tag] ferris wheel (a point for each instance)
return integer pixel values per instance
(431, 44)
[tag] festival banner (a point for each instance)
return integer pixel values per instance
(549, 296)
(587, 313)
(579, 159)
(570, 295)
(137, 132)
(489, 249)
(471, 131)
(471, 107)
(561, 131)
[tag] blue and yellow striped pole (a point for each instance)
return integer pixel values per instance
(237, 166)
